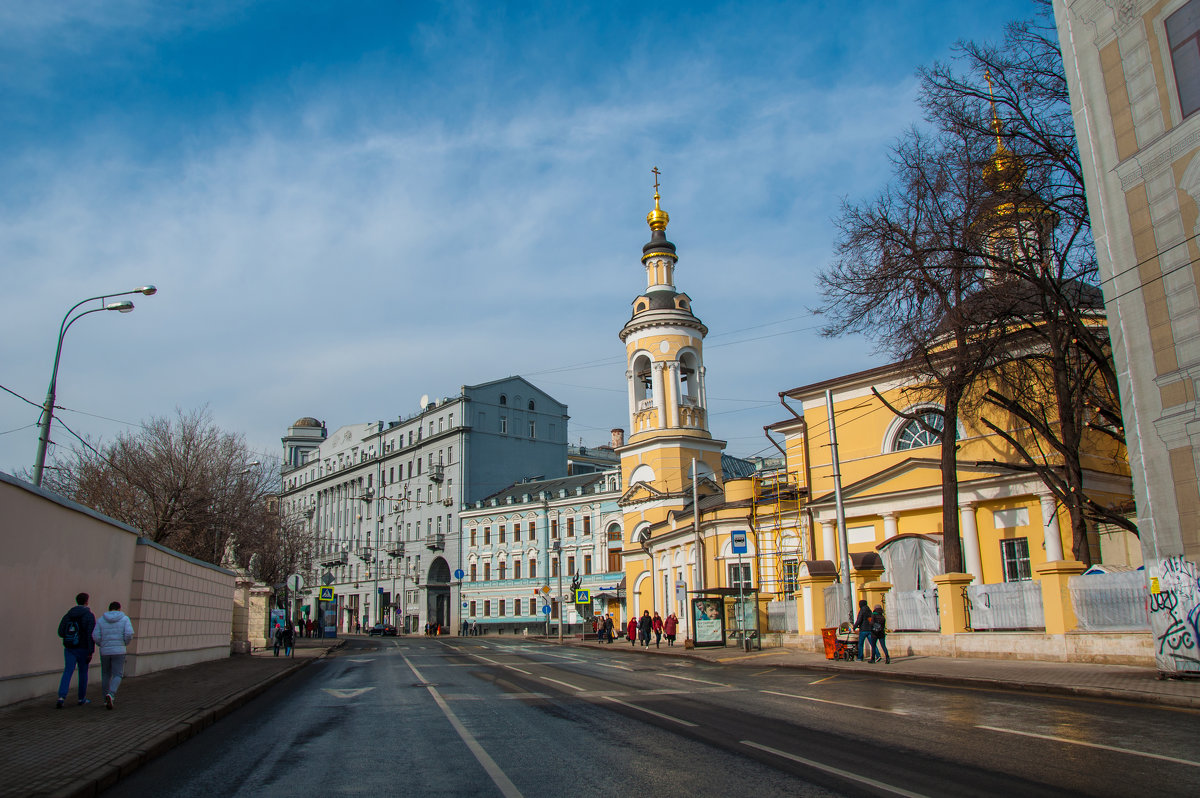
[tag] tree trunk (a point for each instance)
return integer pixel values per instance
(951, 543)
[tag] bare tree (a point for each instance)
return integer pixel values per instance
(181, 481)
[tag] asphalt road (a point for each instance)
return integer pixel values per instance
(496, 716)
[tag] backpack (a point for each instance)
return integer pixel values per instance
(877, 624)
(71, 631)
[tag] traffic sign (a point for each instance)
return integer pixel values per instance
(739, 541)
(327, 578)
(545, 609)
(295, 583)
(583, 596)
(326, 594)
(546, 589)
(465, 605)
(459, 573)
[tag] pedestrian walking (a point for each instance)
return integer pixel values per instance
(644, 625)
(631, 630)
(863, 624)
(671, 628)
(657, 625)
(289, 640)
(878, 633)
(278, 638)
(112, 634)
(609, 628)
(75, 629)
(474, 628)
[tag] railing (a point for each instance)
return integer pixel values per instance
(645, 404)
(435, 542)
(1111, 602)
(1007, 605)
(913, 610)
(836, 610)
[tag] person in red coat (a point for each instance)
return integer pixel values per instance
(631, 630)
(670, 628)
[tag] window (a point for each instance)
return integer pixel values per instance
(487, 571)
(614, 532)
(472, 537)
(587, 564)
(570, 565)
(533, 569)
(439, 525)
(1183, 37)
(450, 450)
(501, 608)
(533, 606)
(571, 527)
(914, 435)
(533, 429)
(502, 535)
(473, 575)
(450, 421)
(517, 532)
(554, 567)
(531, 404)
(1015, 554)
(418, 495)
(487, 608)
(587, 525)
(516, 569)
(791, 576)
(614, 559)
(503, 425)
(487, 535)
(441, 421)
(503, 399)
(739, 575)
(554, 529)
(500, 570)
(472, 608)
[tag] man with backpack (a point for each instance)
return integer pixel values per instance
(75, 629)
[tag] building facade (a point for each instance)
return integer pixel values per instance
(381, 500)
(524, 544)
(1133, 72)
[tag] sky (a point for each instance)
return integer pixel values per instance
(346, 206)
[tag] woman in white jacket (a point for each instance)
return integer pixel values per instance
(113, 632)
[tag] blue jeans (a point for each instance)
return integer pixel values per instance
(864, 637)
(112, 670)
(875, 651)
(75, 658)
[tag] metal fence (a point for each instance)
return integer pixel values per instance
(1007, 605)
(781, 616)
(835, 605)
(1111, 602)
(913, 611)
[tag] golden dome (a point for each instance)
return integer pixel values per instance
(657, 218)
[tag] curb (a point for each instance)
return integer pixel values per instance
(1107, 693)
(123, 765)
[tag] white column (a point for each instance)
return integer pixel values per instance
(828, 546)
(1053, 537)
(656, 371)
(970, 540)
(629, 376)
(673, 400)
(890, 528)
(701, 391)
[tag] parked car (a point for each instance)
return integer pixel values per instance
(382, 629)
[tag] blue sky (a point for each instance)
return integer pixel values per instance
(348, 205)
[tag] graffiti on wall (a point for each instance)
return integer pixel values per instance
(1175, 609)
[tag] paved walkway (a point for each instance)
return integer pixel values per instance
(1121, 682)
(79, 751)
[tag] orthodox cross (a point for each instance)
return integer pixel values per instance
(656, 175)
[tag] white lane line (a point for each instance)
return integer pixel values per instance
(836, 703)
(690, 679)
(518, 670)
(680, 721)
(827, 678)
(505, 785)
(564, 684)
(486, 659)
(1101, 746)
(845, 774)
(612, 665)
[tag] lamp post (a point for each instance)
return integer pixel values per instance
(124, 306)
(562, 610)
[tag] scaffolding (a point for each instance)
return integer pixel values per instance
(781, 543)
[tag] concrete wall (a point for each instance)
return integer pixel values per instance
(53, 548)
(1108, 648)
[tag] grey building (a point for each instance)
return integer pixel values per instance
(380, 500)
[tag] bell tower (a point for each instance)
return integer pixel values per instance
(665, 377)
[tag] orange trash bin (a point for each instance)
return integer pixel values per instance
(829, 637)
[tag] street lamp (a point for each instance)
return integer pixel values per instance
(124, 306)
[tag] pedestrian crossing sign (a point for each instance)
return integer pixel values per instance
(326, 594)
(583, 596)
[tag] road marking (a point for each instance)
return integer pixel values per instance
(827, 678)
(690, 679)
(612, 665)
(486, 659)
(564, 684)
(347, 693)
(680, 721)
(361, 660)
(518, 670)
(749, 656)
(507, 788)
(836, 703)
(1101, 746)
(845, 774)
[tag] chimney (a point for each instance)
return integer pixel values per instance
(618, 437)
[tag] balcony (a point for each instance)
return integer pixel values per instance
(437, 473)
(331, 560)
(395, 549)
(435, 542)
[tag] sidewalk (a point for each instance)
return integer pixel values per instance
(1120, 682)
(77, 751)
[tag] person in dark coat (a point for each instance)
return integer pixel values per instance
(76, 629)
(609, 630)
(878, 633)
(657, 626)
(863, 624)
(645, 624)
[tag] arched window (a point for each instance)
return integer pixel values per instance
(643, 385)
(914, 435)
(531, 404)
(503, 399)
